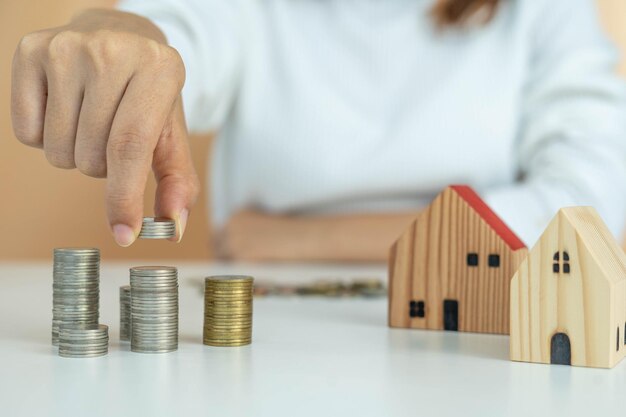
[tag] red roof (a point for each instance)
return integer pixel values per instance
(491, 218)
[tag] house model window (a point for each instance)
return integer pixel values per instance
(494, 261)
(472, 259)
(557, 263)
(416, 308)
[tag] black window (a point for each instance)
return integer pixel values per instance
(417, 309)
(556, 264)
(565, 263)
(420, 309)
(618, 339)
(494, 260)
(625, 333)
(472, 259)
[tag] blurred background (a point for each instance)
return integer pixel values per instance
(44, 207)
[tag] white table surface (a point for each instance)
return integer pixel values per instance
(309, 357)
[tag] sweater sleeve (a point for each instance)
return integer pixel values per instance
(571, 148)
(210, 36)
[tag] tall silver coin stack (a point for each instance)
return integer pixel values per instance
(154, 309)
(157, 228)
(83, 341)
(75, 288)
(125, 312)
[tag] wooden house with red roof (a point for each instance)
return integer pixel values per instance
(451, 269)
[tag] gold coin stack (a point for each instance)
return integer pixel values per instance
(228, 310)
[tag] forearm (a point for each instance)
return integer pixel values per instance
(255, 236)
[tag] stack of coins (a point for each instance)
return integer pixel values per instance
(228, 310)
(86, 341)
(157, 228)
(125, 312)
(154, 309)
(368, 287)
(75, 288)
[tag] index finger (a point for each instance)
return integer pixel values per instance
(135, 131)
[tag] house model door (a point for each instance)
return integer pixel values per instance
(560, 350)
(451, 315)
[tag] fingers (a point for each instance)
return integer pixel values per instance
(113, 125)
(177, 182)
(136, 128)
(102, 98)
(65, 96)
(28, 92)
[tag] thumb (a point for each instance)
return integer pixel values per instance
(177, 181)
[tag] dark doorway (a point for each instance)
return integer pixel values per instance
(451, 315)
(560, 350)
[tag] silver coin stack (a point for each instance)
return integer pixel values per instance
(75, 288)
(125, 312)
(154, 309)
(157, 228)
(87, 341)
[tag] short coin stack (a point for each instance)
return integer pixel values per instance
(157, 228)
(228, 310)
(75, 288)
(154, 309)
(83, 341)
(125, 312)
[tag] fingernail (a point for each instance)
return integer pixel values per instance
(124, 235)
(182, 223)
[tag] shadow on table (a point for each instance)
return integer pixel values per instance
(487, 346)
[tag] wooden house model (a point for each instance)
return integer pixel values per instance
(451, 269)
(568, 298)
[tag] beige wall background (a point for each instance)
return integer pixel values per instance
(43, 207)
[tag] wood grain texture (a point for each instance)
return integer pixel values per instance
(429, 263)
(588, 304)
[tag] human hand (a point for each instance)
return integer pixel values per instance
(102, 94)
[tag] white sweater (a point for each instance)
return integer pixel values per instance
(360, 105)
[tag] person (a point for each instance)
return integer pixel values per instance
(338, 119)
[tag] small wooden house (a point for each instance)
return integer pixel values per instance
(568, 298)
(451, 269)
